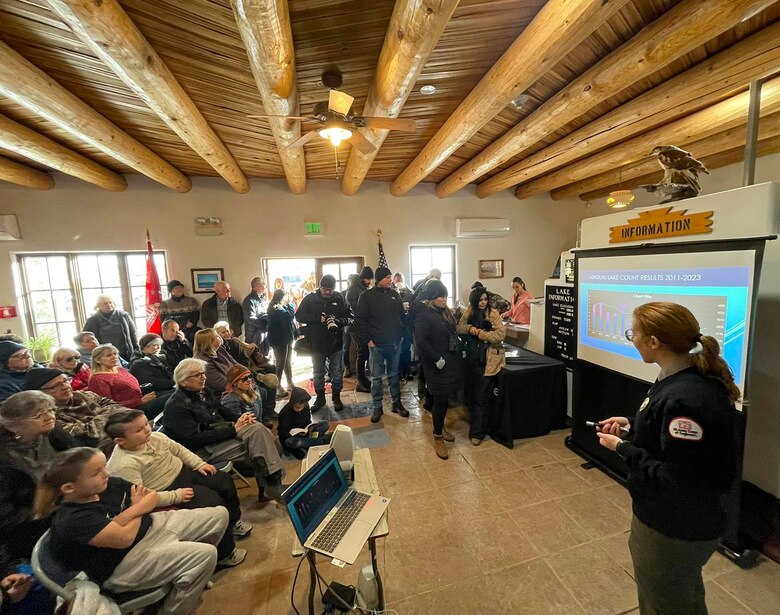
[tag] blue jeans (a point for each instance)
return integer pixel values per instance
(384, 359)
(304, 442)
(335, 367)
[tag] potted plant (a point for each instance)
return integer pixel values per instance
(41, 346)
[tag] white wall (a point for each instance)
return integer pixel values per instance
(269, 222)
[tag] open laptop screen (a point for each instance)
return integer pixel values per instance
(312, 496)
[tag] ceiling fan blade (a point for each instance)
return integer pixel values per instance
(339, 102)
(301, 141)
(389, 123)
(286, 117)
(359, 141)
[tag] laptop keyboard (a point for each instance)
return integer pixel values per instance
(338, 525)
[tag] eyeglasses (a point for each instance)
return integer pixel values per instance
(245, 378)
(43, 414)
(629, 333)
(198, 375)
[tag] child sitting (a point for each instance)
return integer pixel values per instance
(180, 477)
(105, 527)
(296, 431)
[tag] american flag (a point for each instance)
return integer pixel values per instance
(382, 259)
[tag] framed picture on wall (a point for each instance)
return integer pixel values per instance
(203, 280)
(493, 268)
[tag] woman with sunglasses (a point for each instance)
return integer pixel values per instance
(242, 396)
(681, 455)
(69, 361)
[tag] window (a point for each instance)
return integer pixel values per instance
(424, 258)
(60, 290)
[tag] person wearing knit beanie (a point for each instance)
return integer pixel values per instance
(8, 348)
(149, 338)
(328, 281)
(435, 289)
(381, 273)
(174, 284)
(234, 373)
(37, 378)
(366, 273)
(15, 361)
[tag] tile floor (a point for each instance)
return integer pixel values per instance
(490, 530)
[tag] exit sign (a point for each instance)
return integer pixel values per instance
(314, 228)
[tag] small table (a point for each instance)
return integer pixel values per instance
(531, 398)
(365, 481)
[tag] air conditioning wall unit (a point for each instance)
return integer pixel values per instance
(481, 228)
(9, 228)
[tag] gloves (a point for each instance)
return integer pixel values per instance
(440, 363)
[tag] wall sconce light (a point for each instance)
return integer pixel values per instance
(208, 226)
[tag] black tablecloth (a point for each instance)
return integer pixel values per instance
(531, 398)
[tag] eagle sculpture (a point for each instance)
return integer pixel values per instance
(681, 174)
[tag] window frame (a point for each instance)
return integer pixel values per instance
(452, 298)
(81, 311)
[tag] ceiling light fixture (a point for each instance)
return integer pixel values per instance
(519, 102)
(618, 199)
(427, 90)
(335, 134)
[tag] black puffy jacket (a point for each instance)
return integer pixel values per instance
(310, 312)
(379, 317)
(435, 338)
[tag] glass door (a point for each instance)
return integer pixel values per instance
(339, 268)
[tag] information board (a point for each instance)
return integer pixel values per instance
(559, 327)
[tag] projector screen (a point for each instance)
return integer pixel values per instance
(716, 286)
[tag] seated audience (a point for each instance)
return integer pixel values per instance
(69, 361)
(15, 361)
(175, 346)
(297, 433)
(282, 333)
(194, 421)
(180, 477)
(210, 348)
(110, 380)
(222, 306)
(29, 431)
(150, 367)
(181, 309)
(81, 413)
(107, 527)
(520, 310)
(113, 326)
(241, 396)
(85, 342)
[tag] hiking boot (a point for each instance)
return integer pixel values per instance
(319, 402)
(438, 446)
(398, 408)
(241, 530)
(234, 559)
(447, 435)
(338, 406)
(363, 386)
(378, 412)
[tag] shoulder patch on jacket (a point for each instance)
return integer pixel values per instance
(683, 428)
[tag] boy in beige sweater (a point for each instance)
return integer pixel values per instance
(180, 477)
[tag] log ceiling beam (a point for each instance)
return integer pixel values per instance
(412, 34)
(556, 30)
(769, 127)
(33, 145)
(16, 173)
(700, 86)
(727, 114)
(265, 29)
(677, 32)
(29, 86)
(112, 36)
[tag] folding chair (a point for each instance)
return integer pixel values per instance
(229, 468)
(54, 576)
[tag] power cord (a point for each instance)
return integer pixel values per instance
(350, 608)
(295, 580)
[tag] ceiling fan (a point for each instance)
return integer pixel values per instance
(339, 122)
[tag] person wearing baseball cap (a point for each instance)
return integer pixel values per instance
(379, 322)
(325, 313)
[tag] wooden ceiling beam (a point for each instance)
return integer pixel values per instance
(16, 173)
(265, 29)
(769, 127)
(33, 145)
(556, 30)
(112, 36)
(29, 86)
(702, 85)
(717, 118)
(412, 34)
(677, 32)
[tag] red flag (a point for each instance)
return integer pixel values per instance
(153, 292)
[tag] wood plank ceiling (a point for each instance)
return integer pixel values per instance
(200, 43)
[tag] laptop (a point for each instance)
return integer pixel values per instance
(330, 517)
